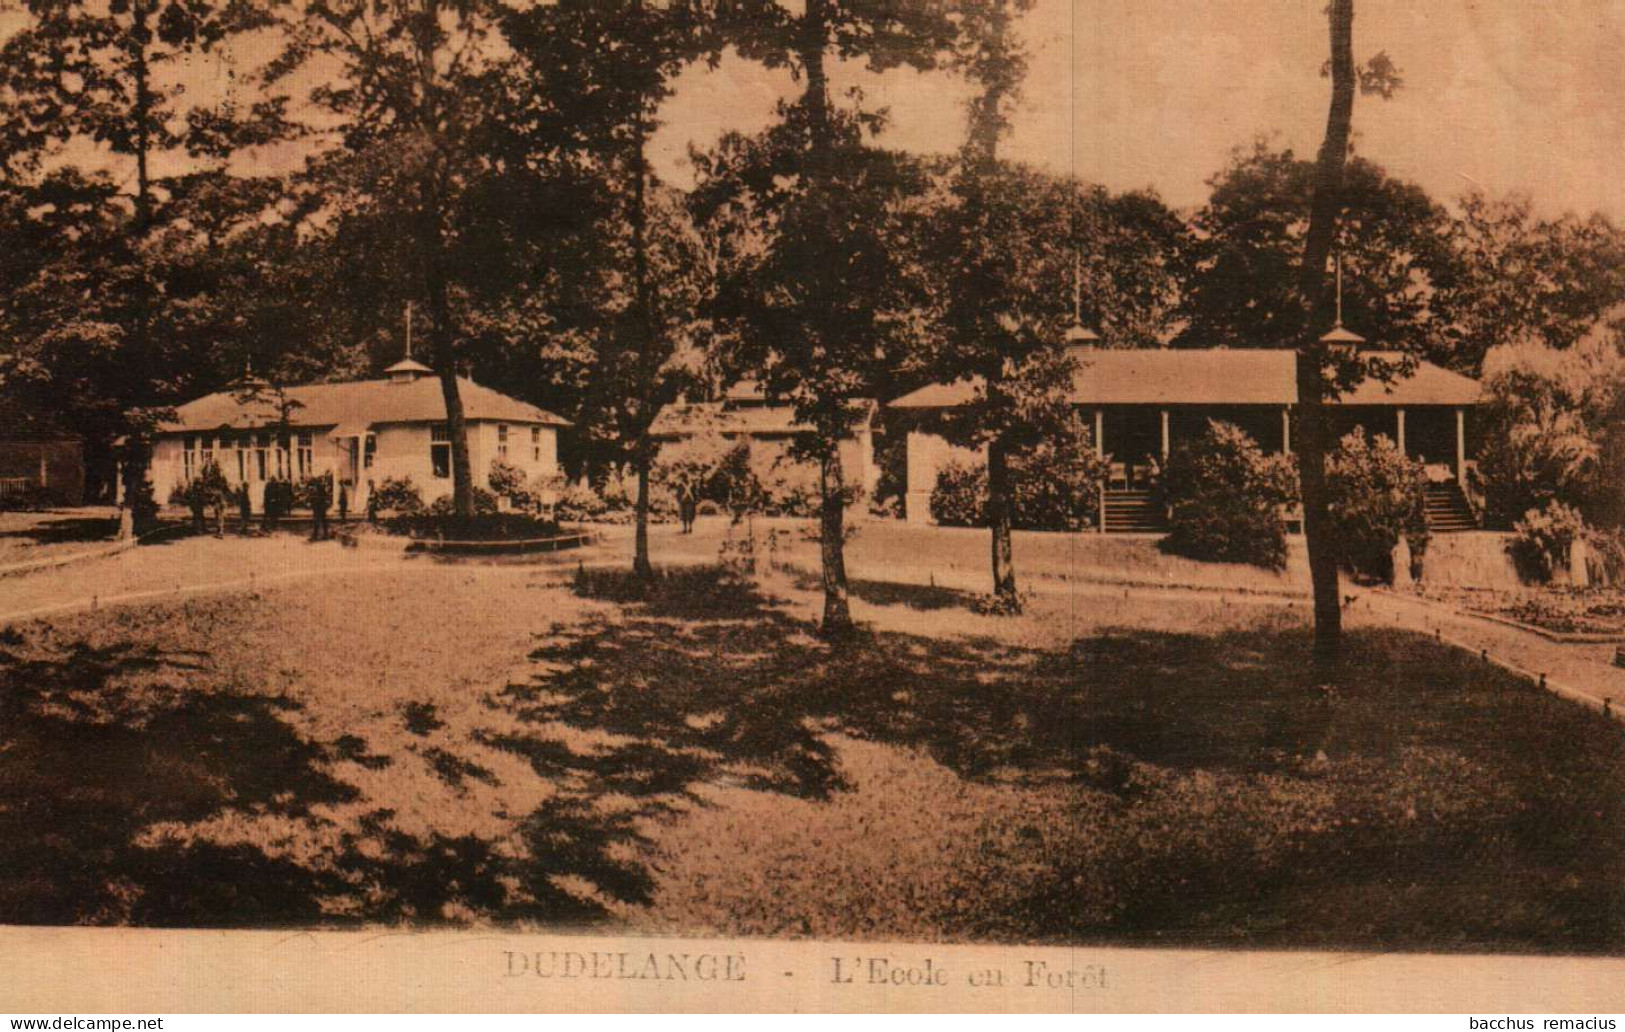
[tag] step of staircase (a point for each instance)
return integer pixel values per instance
(1132, 512)
(1447, 511)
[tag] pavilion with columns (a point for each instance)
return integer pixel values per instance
(1141, 401)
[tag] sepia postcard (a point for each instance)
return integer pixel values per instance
(812, 505)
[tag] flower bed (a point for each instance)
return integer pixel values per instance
(1588, 611)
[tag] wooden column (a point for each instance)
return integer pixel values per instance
(1461, 446)
(1100, 452)
(1286, 430)
(1165, 436)
(1399, 427)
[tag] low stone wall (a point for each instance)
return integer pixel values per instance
(1476, 559)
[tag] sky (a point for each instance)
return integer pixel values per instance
(1499, 95)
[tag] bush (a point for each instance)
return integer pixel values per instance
(891, 456)
(1055, 484)
(1225, 497)
(485, 504)
(1542, 539)
(397, 494)
(1376, 494)
(509, 481)
(959, 498)
(787, 486)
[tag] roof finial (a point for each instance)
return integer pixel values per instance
(1338, 336)
(1339, 288)
(1077, 289)
(1078, 335)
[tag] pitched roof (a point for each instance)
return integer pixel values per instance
(1212, 376)
(731, 419)
(355, 403)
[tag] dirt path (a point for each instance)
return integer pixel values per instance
(192, 564)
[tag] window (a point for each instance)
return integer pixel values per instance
(536, 444)
(440, 451)
(306, 448)
(205, 452)
(502, 441)
(262, 444)
(282, 464)
(369, 451)
(189, 457)
(242, 460)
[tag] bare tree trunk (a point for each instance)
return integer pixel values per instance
(432, 244)
(647, 367)
(462, 476)
(137, 457)
(1312, 356)
(641, 566)
(999, 521)
(812, 41)
(832, 544)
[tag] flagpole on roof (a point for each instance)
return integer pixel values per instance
(408, 329)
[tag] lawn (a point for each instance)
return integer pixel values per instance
(27, 536)
(897, 551)
(455, 744)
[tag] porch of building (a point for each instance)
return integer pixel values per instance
(1137, 440)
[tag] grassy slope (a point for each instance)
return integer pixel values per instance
(698, 761)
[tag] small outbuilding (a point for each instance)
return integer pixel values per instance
(39, 460)
(768, 427)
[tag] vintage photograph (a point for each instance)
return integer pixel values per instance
(1119, 473)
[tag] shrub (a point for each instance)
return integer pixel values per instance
(485, 504)
(509, 481)
(1376, 494)
(1055, 486)
(788, 486)
(1542, 539)
(891, 456)
(397, 494)
(1224, 498)
(960, 495)
(1057, 482)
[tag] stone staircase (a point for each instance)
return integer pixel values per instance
(1447, 510)
(1132, 512)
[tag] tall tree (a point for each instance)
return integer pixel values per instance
(1324, 367)
(1245, 265)
(613, 63)
(104, 74)
(1520, 278)
(810, 298)
(1021, 374)
(416, 94)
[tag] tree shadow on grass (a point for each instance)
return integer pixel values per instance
(66, 530)
(92, 763)
(705, 679)
(109, 762)
(1239, 791)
